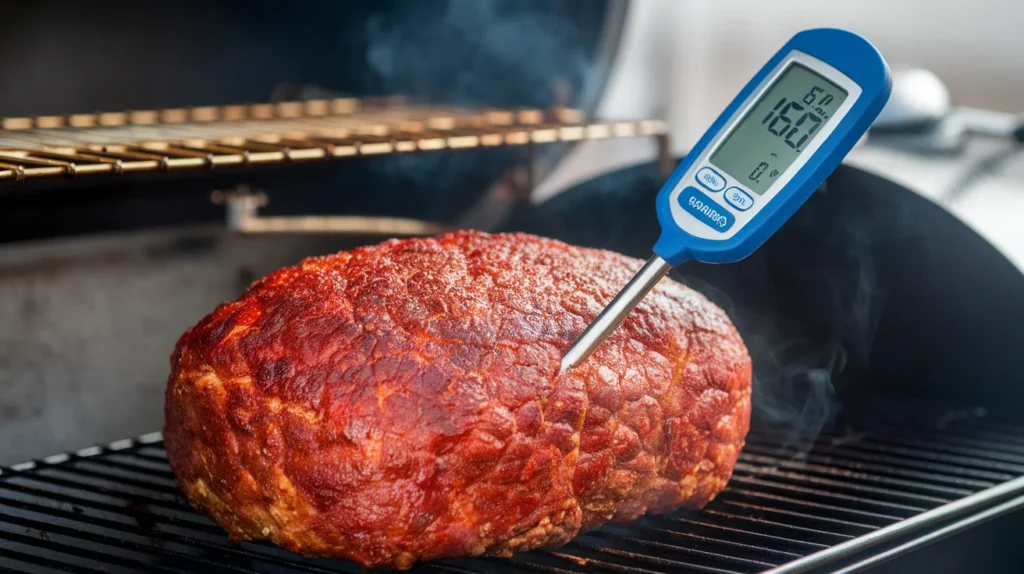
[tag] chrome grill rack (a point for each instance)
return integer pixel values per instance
(205, 138)
(856, 498)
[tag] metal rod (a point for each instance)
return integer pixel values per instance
(808, 479)
(243, 217)
(790, 502)
(666, 163)
(912, 524)
(939, 470)
(973, 520)
(596, 540)
(756, 481)
(352, 224)
(775, 525)
(707, 541)
(615, 312)
(867, 472)
(735, 532)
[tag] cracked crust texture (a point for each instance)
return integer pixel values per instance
(401, 402)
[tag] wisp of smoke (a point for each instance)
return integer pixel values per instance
(498, 52)
(501, 53)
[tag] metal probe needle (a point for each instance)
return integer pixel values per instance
(615, 312)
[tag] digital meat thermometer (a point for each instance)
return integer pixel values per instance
(788, 129)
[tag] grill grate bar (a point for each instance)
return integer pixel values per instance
(783, 541)
(121, 462)
(152, 453)
(534, 566)
(50, 565)
(611, 560)
(441, 567)
(613, 538)
(862, 444)
(787, 502)
(952, 435)
(868, 472)
(755, 482)
(6, 570)
(899, 462)
(924, 439)
(90, 469)
(956, 460)
(87, 469)
(780, 526)
(652, 532)
(818, 522)
(91, 521)
(765, 472)
(948, 448)
(76, 553)
(189, 519)
(481, 564)
(165, 500)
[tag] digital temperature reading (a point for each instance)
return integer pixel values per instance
(778, 128)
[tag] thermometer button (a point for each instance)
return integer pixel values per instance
(706, 210)
(738, 198)
(710, 179)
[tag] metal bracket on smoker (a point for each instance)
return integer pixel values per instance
(243, 217)
(666, 163)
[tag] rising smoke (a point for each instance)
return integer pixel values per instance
(495, 53)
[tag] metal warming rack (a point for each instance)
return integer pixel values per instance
(856, 498)
(170, 140)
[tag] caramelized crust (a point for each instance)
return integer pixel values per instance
(401, 402)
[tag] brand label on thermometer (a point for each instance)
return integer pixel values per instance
(705, 209)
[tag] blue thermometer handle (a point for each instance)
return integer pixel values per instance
(772, 147)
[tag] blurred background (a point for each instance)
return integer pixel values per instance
(155, 159)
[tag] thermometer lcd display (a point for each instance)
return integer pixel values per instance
(778, 128)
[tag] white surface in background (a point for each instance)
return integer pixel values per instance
(918, 96)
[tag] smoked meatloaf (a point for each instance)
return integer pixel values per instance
(402, 402)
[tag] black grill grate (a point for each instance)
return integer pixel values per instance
(116, 509)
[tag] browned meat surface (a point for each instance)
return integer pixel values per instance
(401, 402)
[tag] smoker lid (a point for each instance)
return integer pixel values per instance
(70, 58)
(869, 287)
